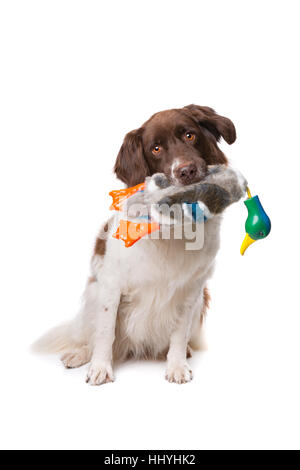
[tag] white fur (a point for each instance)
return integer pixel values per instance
(144, 301)
(173, 168)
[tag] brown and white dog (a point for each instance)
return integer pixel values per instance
(149, 300)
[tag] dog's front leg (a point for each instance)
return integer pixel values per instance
(178, 370)
(106, 308)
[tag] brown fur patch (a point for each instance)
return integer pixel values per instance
(91, 279)
(189, 352)
(100, 245)
(206, 303)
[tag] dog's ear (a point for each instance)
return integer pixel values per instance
(131, 166)
(218, 126)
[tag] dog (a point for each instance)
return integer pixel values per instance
(149, 301)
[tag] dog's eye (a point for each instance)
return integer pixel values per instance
(189, 136)
(156, 150)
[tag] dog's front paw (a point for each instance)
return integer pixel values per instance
(100, 373)
(179, 373)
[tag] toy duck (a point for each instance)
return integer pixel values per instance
(258, 224)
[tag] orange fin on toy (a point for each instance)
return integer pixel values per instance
(131, 232)
(120, 196)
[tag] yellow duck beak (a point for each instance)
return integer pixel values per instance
(247, 242)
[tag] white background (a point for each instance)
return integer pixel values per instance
(75, 77)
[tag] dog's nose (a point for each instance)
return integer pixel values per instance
(187, 173)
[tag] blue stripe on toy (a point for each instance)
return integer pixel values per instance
(196, 212)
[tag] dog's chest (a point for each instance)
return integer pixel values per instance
(157, 278)
(168, 263)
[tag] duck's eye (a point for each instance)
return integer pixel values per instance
(156, 150)
(189, 136)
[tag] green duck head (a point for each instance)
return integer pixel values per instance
(258, 224)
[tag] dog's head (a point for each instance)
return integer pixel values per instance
(179, 143)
